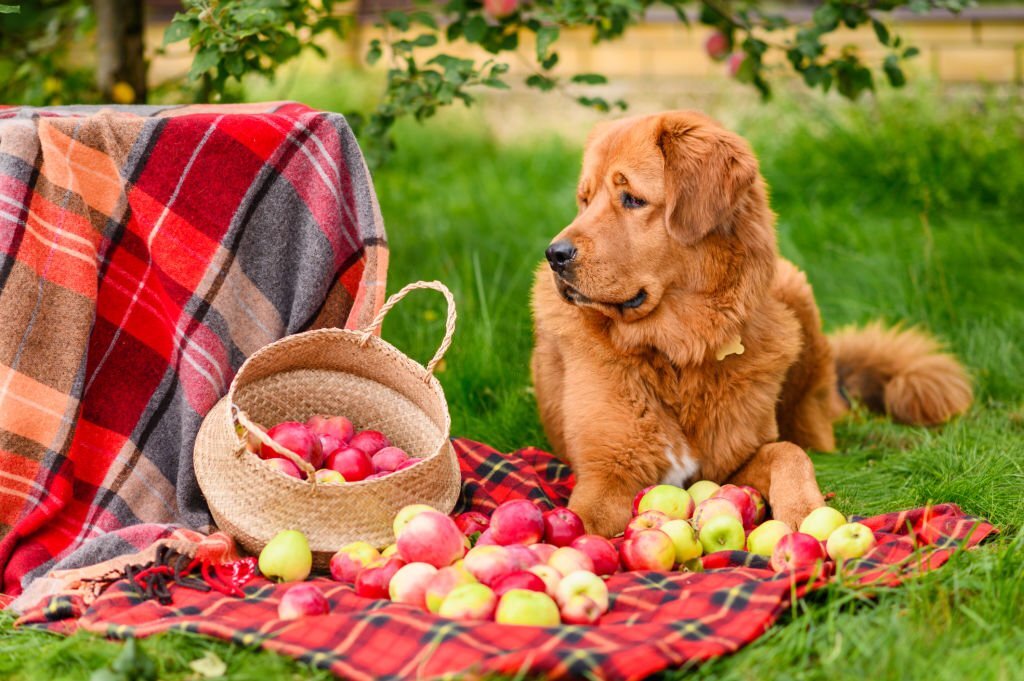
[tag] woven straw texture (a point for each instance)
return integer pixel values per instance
(329, 371)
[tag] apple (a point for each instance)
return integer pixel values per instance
(639, 496)
(701, 490)
(370, 441)
(529, 608)
(550, 576)
(282, 465)
(336, 427)
(796, 550)
(490, 563)
(302, 600)
(567, 559)
(351, 559)
(443, 582)
(562, 526)
(525, 558)
(585, 583)
(388, 460)
(671, 500)
(373, 582)
(431, 537)
(648, 550)
(715, 506)
(717, 46)
(325, 476)
(580, 610)
(693, 565)
(407, 513)
(520, 580)
(517, 522)
(759, 505)
(408, 463)
(736, 60)
(286, 557)
(684, 540)
(469, 602)
(486, 539)
(851, 540)
(296, 438)
(543, 551)
(722, 533)
(500, 8)
(648, 520)
(821, 522)
(763, 538)
(352, 463)
(329, 444)
(409, 584)
(472, 521)
(602, 553)
(252, 441)
(389, 550)
(744, 504)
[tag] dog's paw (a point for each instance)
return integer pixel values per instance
(792, 511)
(604, 516)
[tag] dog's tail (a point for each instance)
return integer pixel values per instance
(901, 372)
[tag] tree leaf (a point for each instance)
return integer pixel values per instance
(179, 29)
(589, 79)
(881, 32)
(545, 37)
(206, 59)
(475, 29)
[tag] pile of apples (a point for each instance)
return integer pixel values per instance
(527, 567)
(331, 445)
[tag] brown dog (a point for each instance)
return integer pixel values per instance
(673, 343)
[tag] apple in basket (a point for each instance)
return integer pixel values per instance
(353, 464)
(302, 600)
(287, 467)
(370, 441)
(298, 439)
(388, 460)
(337, 427)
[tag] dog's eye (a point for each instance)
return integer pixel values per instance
(630, 201)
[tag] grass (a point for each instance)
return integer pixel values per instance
(907, 208)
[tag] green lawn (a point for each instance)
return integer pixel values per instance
(904, 209)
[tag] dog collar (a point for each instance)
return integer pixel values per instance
(733, 347)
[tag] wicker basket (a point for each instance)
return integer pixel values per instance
(328, 371)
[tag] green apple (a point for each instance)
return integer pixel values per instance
(821, 522)
(469, 602)
(722, 533)
(530, 608)
(701, 490)
(671, 500)
(763, 538)
(684, 538)
(286, 557)
(851, 540)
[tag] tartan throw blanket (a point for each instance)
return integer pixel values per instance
(145, 252)
(657, 620)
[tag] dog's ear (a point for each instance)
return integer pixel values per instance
(707, 172)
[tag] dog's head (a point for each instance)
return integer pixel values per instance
(670, 203)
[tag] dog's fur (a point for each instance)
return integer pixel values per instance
(635, 395)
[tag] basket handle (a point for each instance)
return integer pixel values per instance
(449, 326)
(251, 427)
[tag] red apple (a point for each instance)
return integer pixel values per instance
(469, 602)
(408, 463)
(517, 522)
(715, 506)
(373, 582)
(543, 551)
(550, 576)
(486, 539)
(561, 527)
(354, 464)
(759, 504)
(601, 552)
(329, 443)
(409, 584)
(648, 520)
(370, 441)
(735, 62)
(583, 583)
(282, 465)
(500, 8)
(567, 559)
(796, 550)
(519, 580)
(388, 460)
(302, 600)
(442, 583)
(298, 439)
(472, 521)
(525, 557)
(638, 497)
(431, 537)
(351, 559)
(744, 504)
(337, 427)
(489, 564)
(717, 46)
(649, 550)
(580, 609)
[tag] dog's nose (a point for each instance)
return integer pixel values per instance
(560, 254)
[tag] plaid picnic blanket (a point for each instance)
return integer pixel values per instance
(657, 620)
(144, 253)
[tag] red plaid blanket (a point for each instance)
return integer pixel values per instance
(656, 621)
(144, 253)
